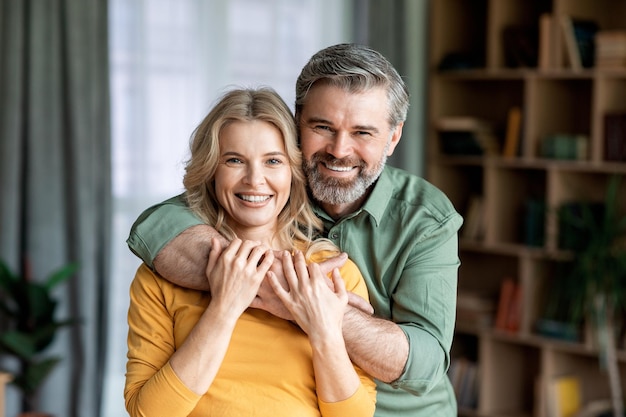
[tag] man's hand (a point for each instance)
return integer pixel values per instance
(267, 299)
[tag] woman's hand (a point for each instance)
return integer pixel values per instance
(236, 272)
(317, 308)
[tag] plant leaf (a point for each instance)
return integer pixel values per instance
(60, 275)
(19, 343)
(34, 374)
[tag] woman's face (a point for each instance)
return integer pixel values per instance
(253, 177)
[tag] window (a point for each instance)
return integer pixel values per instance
(169, 61)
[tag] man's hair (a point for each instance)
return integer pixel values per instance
(354, 68)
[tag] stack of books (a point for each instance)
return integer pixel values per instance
(611, 49)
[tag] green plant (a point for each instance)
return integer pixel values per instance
(597, 274)
(28, 309)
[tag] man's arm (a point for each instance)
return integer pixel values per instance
(377, 346)
(172, 240)
(183, 260)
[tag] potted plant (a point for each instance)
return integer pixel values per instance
(27, 309)
(597, 275)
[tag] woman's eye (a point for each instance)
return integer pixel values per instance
(233, 161)
(274, 161)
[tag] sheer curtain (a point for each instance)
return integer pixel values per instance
(169, 61)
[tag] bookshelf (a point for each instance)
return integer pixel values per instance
(487, 57)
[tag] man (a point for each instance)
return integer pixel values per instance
(400, 230)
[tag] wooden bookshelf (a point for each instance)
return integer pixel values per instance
(475, 74)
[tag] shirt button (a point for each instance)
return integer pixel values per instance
(334, 235)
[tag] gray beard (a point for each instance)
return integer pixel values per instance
(336, 191)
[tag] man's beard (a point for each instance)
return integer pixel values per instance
(337, 191)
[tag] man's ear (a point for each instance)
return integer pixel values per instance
(395, 138)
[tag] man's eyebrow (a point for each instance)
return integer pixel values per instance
(367, 128)
(321, 120)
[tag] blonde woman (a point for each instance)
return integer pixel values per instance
(191, 353)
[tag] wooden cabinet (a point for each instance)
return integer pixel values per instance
(487, 57)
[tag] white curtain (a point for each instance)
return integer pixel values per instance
(169, 61)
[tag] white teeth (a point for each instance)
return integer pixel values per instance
(337, 168)
(254, 198)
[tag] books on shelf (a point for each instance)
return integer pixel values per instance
(610, 49)
(465, 135)
(615, 137)
(474, 309)
(464, 376)
(579, 35)
(513, 135)
(565, 146)
(564, 396)
(508, 313)
(474, 219)
(547, 39)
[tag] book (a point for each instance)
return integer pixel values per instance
(546, 42)
(564, 396)
(513, 132)
(565, 146)
(534, 222)
(465, 135)
(507, 294)
(615, 137)
(514, 317)
(585, 32)
(468, 391)
(579, 36)
(474, 309)
(473, 221)
(571, 49)
(463, 374)
(610, 49)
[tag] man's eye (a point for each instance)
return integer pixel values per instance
(322, 127)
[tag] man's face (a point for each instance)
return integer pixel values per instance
(345, 140)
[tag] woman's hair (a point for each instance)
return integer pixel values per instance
(354, 68)
(297, 224)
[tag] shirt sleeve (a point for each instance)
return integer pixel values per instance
(424, 306)
(158, 225)
(152, 388)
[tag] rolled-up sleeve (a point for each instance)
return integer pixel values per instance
(158, 225)
(424, 306)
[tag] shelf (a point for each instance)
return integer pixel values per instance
(512, 231)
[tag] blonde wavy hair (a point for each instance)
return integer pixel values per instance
(297, 224)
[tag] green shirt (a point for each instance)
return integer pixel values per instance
(404, 240)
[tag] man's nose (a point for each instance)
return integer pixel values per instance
(340, 146)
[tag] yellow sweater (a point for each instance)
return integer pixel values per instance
(267, 370)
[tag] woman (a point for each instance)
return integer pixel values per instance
(195, 354)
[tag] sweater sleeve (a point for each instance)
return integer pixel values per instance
(152, 388)
(363, 401)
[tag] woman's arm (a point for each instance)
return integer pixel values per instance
(319, 311)
(164, 381)
(234, 276)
